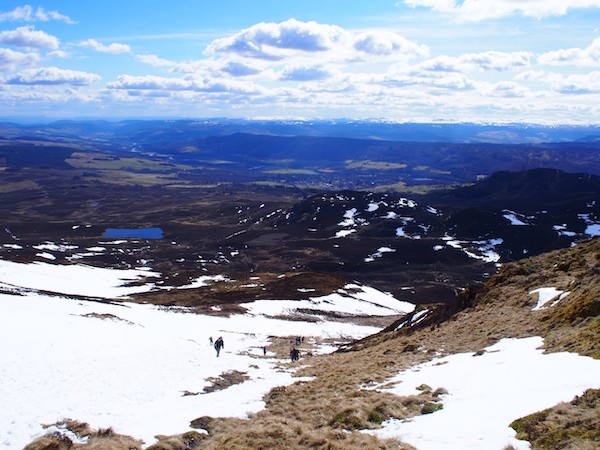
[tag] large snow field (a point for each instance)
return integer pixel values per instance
(511, 379)
(73, 279)
(129, 370)
(127, 366)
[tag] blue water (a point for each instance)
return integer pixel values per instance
(141, 233)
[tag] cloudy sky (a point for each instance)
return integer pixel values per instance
(407, 60)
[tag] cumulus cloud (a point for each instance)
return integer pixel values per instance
(28, 14)
(113, 48)
(239, 69)
(10, 60)
(150, 82)
(226, 86)
(577, 84)
(235, 67)
(437, 82)
(196, 84)
(294, 40)
(489, 9)
(387, 43)
(29, 37)
(588, 56)
(485, 61)
(154, 61)
(499, 61)
(273, 40)
(508, 89)
(53, 76)
(305, 73)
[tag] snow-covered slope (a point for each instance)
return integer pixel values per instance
(127, 366)
(487, 392)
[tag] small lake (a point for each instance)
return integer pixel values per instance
(140, 233)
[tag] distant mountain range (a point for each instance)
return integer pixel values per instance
(142, 130)
(373, 156)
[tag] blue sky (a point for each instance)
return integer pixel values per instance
(403, 60)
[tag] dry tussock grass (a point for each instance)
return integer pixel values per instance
(186, 441)
(569, 426)
(101, 439)
(272, 432)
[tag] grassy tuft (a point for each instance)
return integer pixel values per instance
(187, 441)
(569, 426)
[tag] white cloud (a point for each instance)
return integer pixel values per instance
(53, 76)
(234, 67)
(28, 14)
(193, 84)
(499, 61)
(154, 61)
(483, 62)
(508, 89)
(10, 60)
(226, 86)
(305, 73)
(28, 37)
(424, 80)
(113, 48)
(387, 43)
(578, 84)
(201, 65)
(149, 82)
(58, 54)
(589, 56)
(294, 39)
(239, 69)
(274, 41)
(474, 10)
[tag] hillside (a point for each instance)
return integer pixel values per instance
(319, 156)
(554, 296)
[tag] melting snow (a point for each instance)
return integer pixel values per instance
(512, 217)
(372, 207)
(204, 280)
(74, 279)
(546, 295)
(130, 372)
(379, 253)
(344, 233)
(592, 229)
(512, 378)
(353, 299)
(54, 247)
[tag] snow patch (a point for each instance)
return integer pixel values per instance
(546, 295)
(512, 378)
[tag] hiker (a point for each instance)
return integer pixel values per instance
(295, 354)
(210, 341)
(219, 345)
(265, 351)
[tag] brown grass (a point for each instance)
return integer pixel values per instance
(101, 439)
(225, 380)
(569, 426)
(186, 441)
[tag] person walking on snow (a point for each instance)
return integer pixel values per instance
(219, 345)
